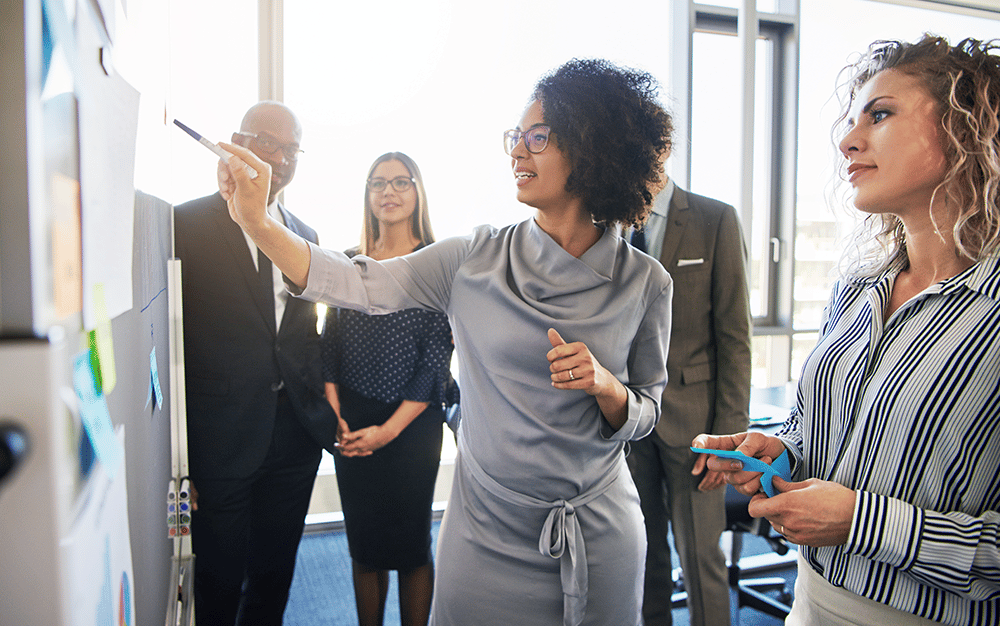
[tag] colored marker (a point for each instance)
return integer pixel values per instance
(184, 507)
(172, 509)
(222, 154)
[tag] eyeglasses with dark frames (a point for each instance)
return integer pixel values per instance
(400, 184)
(268, 144)
(535, 139)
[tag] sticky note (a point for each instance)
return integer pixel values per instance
(155, 375)
(95, 416)
(101, 346)
(780, 467)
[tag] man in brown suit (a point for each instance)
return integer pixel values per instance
(700, 242)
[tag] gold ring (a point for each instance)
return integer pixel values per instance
(571, 376)
(782, 529)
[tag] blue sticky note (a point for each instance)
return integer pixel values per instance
(780, 467)
(95, 416)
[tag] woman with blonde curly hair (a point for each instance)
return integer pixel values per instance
(963, 80)
(895, 499)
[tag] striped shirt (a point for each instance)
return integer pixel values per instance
(907, 413)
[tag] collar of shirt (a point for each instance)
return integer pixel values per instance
(982, 277)
(656, 223)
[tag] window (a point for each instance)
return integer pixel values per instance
(715, 147)
(790, 284)
(207, 91)
(715, 162)
(372, 78)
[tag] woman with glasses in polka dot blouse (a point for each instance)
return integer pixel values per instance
(387, 378)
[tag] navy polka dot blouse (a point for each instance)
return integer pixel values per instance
(404, 355)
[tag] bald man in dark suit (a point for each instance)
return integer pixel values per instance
(257, 418)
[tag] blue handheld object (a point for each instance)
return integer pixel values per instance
(780, 467)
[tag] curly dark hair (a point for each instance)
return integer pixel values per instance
(964, 79)
(610, 125)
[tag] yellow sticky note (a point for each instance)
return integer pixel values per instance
(101, 347)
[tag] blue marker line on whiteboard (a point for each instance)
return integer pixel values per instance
(222, 154)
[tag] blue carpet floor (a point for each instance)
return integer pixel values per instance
(322, 593)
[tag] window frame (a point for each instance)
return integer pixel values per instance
(782, 28)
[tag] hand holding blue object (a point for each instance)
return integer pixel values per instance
(780, 467)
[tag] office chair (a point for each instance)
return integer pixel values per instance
(752, 592)
(769, 407)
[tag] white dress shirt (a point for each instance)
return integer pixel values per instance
(656, 223)
(278, 283)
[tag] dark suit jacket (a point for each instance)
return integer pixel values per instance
(708, 367)
(234, 360)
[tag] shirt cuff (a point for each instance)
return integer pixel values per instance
(628, 430)
(794, 457)
(883, 529)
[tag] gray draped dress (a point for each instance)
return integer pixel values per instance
(543, 524)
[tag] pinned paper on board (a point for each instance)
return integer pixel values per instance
(67, 269)
(154, 387)
(98, 554)
(108, 121)
(95, 416)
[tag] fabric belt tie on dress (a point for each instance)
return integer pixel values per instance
(561, 537)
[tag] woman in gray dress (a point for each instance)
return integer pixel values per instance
(561, 330)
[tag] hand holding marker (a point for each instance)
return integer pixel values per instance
(214, 148)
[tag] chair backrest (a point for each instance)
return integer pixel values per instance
(737, 516)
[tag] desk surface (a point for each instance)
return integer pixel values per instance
(771, 405)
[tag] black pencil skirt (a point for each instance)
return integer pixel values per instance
(386, 497)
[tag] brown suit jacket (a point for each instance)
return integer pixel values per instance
(708, 367)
